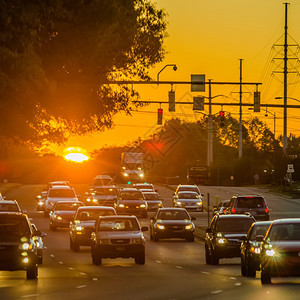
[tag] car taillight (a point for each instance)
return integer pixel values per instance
(266, 210)
(233, 210)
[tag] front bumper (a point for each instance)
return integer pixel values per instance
(228, 250)
(123, 251)
(131, 211)
(174, 232)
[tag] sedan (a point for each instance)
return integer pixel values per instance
(280, 250)
(118, 236)
(153, 200)
(172, 223)
(189, 200)
(63, 213)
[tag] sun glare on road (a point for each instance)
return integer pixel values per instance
(75, 154)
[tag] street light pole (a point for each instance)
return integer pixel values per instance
(210, 138)
(168, 65)
(240, 121)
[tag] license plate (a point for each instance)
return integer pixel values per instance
(118, 248)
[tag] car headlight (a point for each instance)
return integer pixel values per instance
(199, 203)
(57, 217)
(121, 205)
(221, 241)
(160, 226)
(272, 253)
(189, 227)
(178, 202)
(95, 200)
(26, 260)
(125, 174)
(88, 199)
(141, 175)
(142, 205)
(255, 250)
(40, 203)
(79, 228)
(25, 246)
(136, 240)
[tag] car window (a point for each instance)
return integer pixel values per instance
(250, 202)
(105, 191)
(9, 207)
(173, 215)
(132, 195)
(118, 225)
(284, 232)
(67, 206)
(63, 193)
(151, 196)
(258, 230)
(188, 188)
(188, 196)
(94, 214)
(233, 224)
(14, 227)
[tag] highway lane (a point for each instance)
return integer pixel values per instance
(174, 269)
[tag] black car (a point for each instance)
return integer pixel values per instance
(118, 236)
(18, 250)
(280, 250)
(172, 223)
(250, 248)
(83, 224)
(254, 204)
(224, 236)
(221, 207)
(132, 202)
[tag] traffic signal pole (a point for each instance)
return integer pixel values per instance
(210, 129)
(241, 112)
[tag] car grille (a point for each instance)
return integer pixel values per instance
(175, 227)
(120, 241)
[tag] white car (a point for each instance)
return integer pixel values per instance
(59, 193)
(189, 200)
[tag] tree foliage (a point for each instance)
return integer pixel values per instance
(55, 56)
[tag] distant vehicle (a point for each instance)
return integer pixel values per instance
(224, 236)
(189, 200)
(84, 224)
(197, 175)
(59, 182)
(254, 204)
(59, 193)
(152, 199)
(2, 197)
(40, 205)
(280, 250)
(144, 186)
(188, 188)
(106, 195)
(172, 222)
(132, 201)
(10, 205)
(250, 248)
(221, 208)
(118, 236)
(63, 213)
(132, 164)
(18, 249)
(102, 180)
(37, 238)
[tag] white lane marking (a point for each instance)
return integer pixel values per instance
(45, 247)
(83, 273)
(217, 292)
(238, 284)
(95, 279)
(81, 286)
(60, 262)
(70, 268)
(52, 255)
(233, 278)
(159, 262)
(206, 273)
(179, 267)
(29, 296)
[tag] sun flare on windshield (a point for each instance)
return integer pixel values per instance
(76, 154)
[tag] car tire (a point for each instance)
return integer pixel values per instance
(250, 269)
(207, 256)
(96, 258)
(190, 239)
(243, 267)
(46, 214)
(53, 228)
(40, 260)
(140, 259)
(155, 238)
(32, 272)
(214, 259)
(76, 247)
(71, 244)
(265, 276)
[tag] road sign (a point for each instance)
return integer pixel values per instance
(198, 103)
(200, 85)
(290, 168)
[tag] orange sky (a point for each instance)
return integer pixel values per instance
(209, 37)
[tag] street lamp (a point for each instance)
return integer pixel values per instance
(168, 65)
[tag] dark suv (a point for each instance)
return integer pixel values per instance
(224, 236)
(254, 204)
(18, 250)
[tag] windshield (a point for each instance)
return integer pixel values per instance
(62, 193)
(198, 171)
(251, 202)
(118, 225)
(132, 195)
(234, 225)
(285, 232)
(259, 230)
(10, 226)
(8, 207)
(144, 186)
(173, 215)
(105, 191)
(94, 214)
(67, 206)
(102, 181)
(151, 196)
(190, 188)
(188, 196)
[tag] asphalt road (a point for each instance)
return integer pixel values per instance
(174, 269)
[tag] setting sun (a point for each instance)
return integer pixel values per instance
(76, 154)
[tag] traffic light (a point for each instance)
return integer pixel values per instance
(256, 101)
(221, 118)
(159, 116)
(171, 100)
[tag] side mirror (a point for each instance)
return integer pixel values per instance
(193, 218)
(209, 230)
(152, 218)
(202, 195)
(259, 238)
(156, 190)
(43, 234)
(144, 228)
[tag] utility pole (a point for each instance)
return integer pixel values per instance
(210, 131)
(240, 121)
(285, 71)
